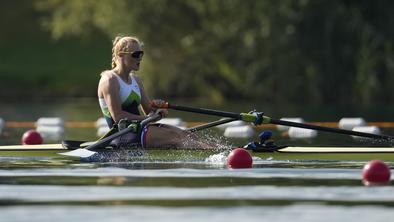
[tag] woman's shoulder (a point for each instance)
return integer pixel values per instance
(107, 75)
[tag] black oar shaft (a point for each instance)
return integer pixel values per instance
(329, 129)
(205, 111)
(238, 116)
(209, 125)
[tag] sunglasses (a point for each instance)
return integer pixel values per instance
(136, 54)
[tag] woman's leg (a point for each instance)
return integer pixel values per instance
(166, 136)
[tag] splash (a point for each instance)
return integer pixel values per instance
(120, 154)
(194, 148)
(219, 159)
(215, 141)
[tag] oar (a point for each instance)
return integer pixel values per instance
(259, 118)
(88, 151)
(76, 144)
(210, 124)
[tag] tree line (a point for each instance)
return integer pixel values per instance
(296, 52)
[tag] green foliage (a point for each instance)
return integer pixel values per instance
(290, 52)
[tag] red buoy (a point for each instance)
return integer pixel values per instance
(376, 172)
(239, 158)
(31, 137)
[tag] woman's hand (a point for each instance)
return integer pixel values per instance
(156, 104)
(163, 112)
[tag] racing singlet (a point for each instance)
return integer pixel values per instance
(130, 97)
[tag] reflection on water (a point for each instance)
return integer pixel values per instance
(71, 191)
(30, 185)
(109, 213)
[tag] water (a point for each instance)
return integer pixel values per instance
(43, 189)
(185, 189)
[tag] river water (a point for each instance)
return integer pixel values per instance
(41, 189)
(187, 189)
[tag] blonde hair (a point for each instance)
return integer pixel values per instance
(122, 44)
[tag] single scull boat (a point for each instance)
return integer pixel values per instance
(279, 153)
(265, 151)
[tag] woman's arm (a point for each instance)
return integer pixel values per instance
(146, 101)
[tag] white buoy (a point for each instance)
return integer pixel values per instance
(178, 122)
(350, 123)
(239, 131)
(50, 121)
(102, 130)
(300, 133)
(100, 122)
(231, 124)
(366, 129)
(51, 128)
(2, 125)
(101, 126)
(55, 133)
(290, 119)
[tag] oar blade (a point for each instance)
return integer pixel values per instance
(82, 153)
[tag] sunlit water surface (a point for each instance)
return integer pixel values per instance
(44, 189)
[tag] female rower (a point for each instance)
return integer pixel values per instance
(121, 93)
